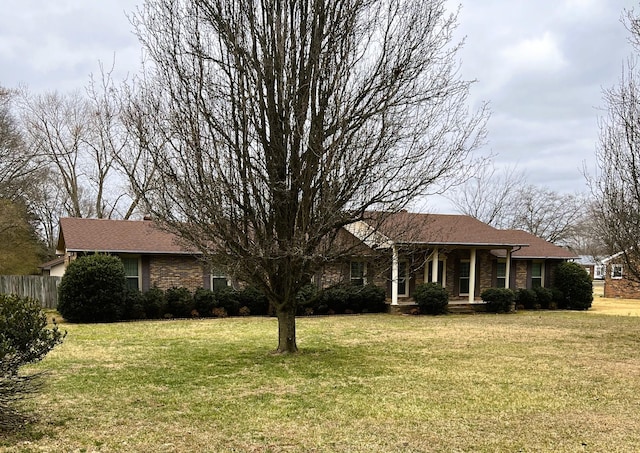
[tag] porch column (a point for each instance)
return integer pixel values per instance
(507, 269)
(434, 266)
(394, 275)
(472, 275)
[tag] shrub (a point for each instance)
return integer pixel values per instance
(432, 298)
(204, 301)
(527, 298)
(227, 299)
(545, 297)
(306, 299)
(154, 303)
(93, 290)
(575, 286)
(179, 302)
(499, 300)
(347, 298)
(24, 339)
(133, 305)
(373, 299)
(253, 299)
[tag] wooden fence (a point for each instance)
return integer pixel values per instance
(42, 288)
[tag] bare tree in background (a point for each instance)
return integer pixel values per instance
(504, 200)
(285, 120)
(17, 163)
(490, 195)
(616, 185)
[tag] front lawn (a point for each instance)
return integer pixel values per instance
(534, 381)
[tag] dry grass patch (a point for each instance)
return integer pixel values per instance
(543, 381)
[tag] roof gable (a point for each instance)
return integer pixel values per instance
(117, 236)
(443, 229)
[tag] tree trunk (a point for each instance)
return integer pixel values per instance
(286, 329)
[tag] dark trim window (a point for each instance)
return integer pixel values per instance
(501, 274)
(132, 271)
(403, 278)
(616, 270)
(357, 273)
(218, 280)
(465, 273)
(537, 274)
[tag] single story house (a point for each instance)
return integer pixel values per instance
(151, 257)
(617, 283)
(463, 254)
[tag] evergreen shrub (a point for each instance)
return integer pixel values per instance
(499, 300)
(93, 289)
(432, 298)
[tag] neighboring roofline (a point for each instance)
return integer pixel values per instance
(54, 262)
(609, 258)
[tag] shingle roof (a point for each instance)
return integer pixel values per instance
(125, 236)
(538, 247)
(444, 229)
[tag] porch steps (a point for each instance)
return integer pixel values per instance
(464, 309)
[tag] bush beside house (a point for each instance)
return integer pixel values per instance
(93, 289)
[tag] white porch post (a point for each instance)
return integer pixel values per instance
(394, 275)
(434, 266)
(472, 275)
(507, 269)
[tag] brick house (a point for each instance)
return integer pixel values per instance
(406, 249)
(464, 255)
(617, 284)
(151, 257)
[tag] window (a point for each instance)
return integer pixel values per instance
(465, 268)
(403, 279)
(218, 280)
(598, 271)
(501, 274)
(357, 273)
(616, 271)
(537, 275)
(131, 272)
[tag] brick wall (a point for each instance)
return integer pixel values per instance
(166, 271)
(621, 288)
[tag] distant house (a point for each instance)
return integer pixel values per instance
(617, 283)
(594, 267)
(461, 253)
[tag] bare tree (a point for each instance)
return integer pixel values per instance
(281, 122)
(503, 199)
(490, 195)
(616, 185)
(17, 163)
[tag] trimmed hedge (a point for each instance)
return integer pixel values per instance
(574, 286)
(93, 289)
(499, 300)
(432, 298)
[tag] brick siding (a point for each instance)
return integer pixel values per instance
(166, 271)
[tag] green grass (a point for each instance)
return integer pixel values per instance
(538, 381)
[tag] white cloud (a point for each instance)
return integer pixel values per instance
(540, 54)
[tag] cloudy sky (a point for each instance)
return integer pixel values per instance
(540, 64)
